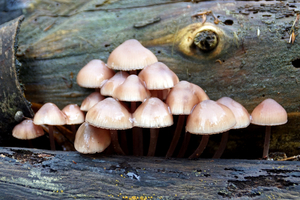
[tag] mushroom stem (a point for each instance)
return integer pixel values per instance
(267, 142)
(176, 136)
(200, 148)
(124, 142)
(153, 141)
(115, 142)
(73, 127)
(137, 135)
(184, 145)
(222, 146)
(51, 137)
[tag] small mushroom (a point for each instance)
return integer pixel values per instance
(90, 101)
(73, 116)
(50, 114)
(27, 130)
(94, 74)
(110, 114)
(90, 139)
(268, 113)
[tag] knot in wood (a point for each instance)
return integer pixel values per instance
(206, 40)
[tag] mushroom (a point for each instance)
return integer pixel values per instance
(268, 113)
(90, 139)
(94, 74)
(153, 114)
(50, 114)
(110, 114)
(133, 90)
(90, 101)
(207, 118)
(73, 116)
(242, 118)
(158, 76)
(110, 86)
(181, 100)
(130, 55)
(200, 93)
(27, 130)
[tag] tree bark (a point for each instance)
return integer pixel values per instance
(65, 175)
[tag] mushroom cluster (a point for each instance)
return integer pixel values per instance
(134, 91)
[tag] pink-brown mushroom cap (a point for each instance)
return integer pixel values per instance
(94, 74)
(49, 114)
(27, 130)
(269, 113)
(109, 87)
(91, 100)
(74, 114)
(130, 55)
(90, 139)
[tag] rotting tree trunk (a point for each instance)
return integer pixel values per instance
(11, 93)
(66, 175)
(255, 61)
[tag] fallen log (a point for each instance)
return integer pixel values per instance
(45, 174)
(253, 61)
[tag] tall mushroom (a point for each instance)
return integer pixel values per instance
(268, 113)
(50, 114)
(181, 100)
(131, 56)
(207, 118)
(242, 118)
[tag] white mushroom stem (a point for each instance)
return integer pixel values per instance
(153, 141)
(51, 137)
(222, 146)
(200, 148)
(176, 136)
(184, 145)
(115, 142)
(267, 142)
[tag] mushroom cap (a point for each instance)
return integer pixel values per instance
(269, 113)
(158, 76)
(132, 89)
(90, 139)
(49, 114)
(109, 87)
(130, 55)
(200, 93)
(94, 74)
(182, 98)
(91, 100)
(210, 117)
(242, 116)
(109, 114)
(152, 113)
(74, 114)
(27, 130)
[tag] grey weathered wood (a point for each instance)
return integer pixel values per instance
(57, 39)
(66, 175)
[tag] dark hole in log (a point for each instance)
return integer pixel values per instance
(228, 22)
(296, 63)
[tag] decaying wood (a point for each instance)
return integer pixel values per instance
(46, 174)
(256, 60)
(11, 96)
